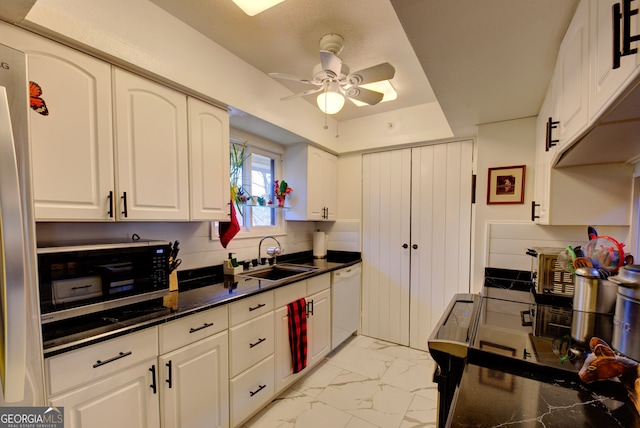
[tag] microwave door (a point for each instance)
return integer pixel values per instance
(13, 317)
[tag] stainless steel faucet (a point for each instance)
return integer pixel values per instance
(276, 250)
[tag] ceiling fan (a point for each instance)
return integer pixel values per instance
(333, 79)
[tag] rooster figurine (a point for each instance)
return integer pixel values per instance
(603, 363)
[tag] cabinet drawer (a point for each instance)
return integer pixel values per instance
(289, 293)
(184, 331)
(250, 307)
(318, 283)
(251, 390)
(85, 365)
(251, 342)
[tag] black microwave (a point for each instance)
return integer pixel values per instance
(79, 279)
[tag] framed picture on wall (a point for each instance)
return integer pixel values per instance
(506, 185)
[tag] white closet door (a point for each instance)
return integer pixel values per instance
(441, 230)
(386, 228)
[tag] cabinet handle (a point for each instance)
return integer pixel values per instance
(261, 387)
(414, 246)
(110, 360)
(251, 345)
(80, 287)
(205, 325)
(526, 323)
(110, 212)
(153, 385)
(124, 200)
(257, 307)
(309, 308)
(617, 17)
(549, 141)
(405, 245)
(533, 211)
(627, 38)
(170, 378)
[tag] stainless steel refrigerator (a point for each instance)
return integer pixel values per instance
(21, 362)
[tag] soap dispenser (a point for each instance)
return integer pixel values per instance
(231, 266)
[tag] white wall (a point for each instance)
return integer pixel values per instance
(500, 144)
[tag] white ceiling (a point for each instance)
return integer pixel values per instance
(486, 60)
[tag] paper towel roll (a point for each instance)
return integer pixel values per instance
(319, 245)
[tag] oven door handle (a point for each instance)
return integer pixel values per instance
(529, 322)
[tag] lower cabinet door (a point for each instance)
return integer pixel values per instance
(284, 366)
(318, 327)
(251, 390)
(194, 385)
(123, 400)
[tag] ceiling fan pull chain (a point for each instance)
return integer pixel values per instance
(337, 133)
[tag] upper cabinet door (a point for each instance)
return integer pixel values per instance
(607, 83)
(72, 145)
(572, 77)
(151, 150)
(209, 166)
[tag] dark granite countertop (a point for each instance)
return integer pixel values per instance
(496, 396)
(203, 289)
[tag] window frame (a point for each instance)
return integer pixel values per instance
(247, 229)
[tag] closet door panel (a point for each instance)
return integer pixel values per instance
(386, 222)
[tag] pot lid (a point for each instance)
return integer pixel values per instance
(627, 276)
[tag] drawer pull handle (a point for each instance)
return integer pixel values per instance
(110, 360)
(251, 345)
(205, 325)
(153, 378)
(257, 307)
(170, 377)
(252, 393)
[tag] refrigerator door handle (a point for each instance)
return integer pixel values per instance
(13, 264)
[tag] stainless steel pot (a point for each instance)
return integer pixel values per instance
(593, 294)
(628, 280)
(626, 327)
(626, 322)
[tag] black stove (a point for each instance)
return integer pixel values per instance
(516, 328)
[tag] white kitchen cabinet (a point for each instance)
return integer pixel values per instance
(284, 375)
(251, 390)
(416, 230)
(607, 83)
(544, 154)
(571, 78)
(318, 327)
(209, 161)
(312, 173)
(72, 146)
(112, 383)
(126, 399)
(151, 150)
(194, 385)
(251, 355)
(193, 370)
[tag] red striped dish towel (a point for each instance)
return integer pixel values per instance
(297, 312)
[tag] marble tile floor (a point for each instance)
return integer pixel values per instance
(365, 383)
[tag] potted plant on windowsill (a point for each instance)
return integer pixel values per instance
(280, 191)
(237, 156)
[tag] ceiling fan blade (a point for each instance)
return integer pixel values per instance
(302, 94)
(294, 78)
(376, 73)
(331, 63)
(364, 95)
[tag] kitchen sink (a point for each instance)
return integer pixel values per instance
(278, 272)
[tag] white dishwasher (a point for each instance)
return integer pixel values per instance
(345, 299)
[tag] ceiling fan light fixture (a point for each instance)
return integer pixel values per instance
(254, 7)
(330, 101)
